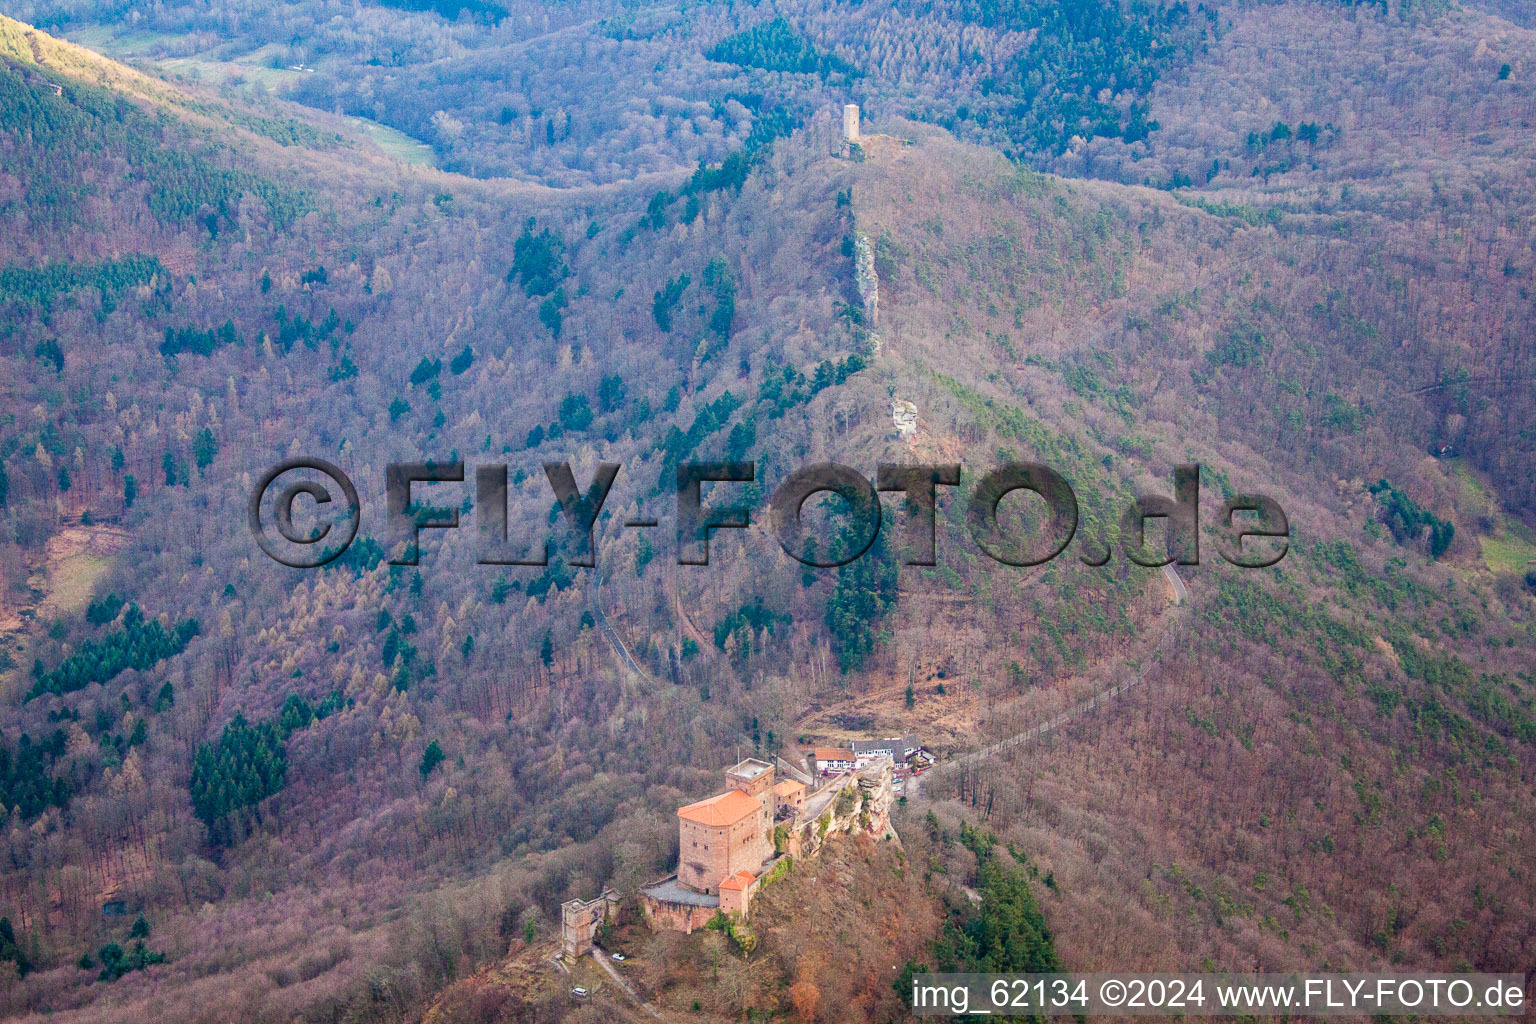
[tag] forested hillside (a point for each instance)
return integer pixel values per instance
(1153, 235)
(600, 91)
(1331, 678)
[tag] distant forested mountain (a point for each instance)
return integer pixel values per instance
(1289, 241)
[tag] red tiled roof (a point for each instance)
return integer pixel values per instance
(833, 754)
(726, 809)
(740, 880)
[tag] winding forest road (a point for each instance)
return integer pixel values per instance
(1180, 599)
(1176, 586)
(623, 983)
(627, 660)
(616, 642)
(1180, 591)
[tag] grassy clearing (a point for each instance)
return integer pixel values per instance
(396, 144)
(72, 581)
(1474, 491)
(1512, 545)
(252, 72)
(118, 45)
(1513, 550)
(65, 587)
(220, 72)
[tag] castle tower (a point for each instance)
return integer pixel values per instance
(721, 837)
(752, 777)
(850, 122)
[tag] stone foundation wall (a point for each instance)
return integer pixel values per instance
(680, 917)
(861, 804)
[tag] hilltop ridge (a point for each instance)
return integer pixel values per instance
(344, 792)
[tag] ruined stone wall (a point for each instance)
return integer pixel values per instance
(579, 921)
(866, 279)
(868, 282)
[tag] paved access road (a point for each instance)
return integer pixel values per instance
(1180, 596)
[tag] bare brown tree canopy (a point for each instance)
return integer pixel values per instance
(1291, 242)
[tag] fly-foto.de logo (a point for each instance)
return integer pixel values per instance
(1251, 530)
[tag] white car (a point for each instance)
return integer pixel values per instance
(619, 958)
(579, 992)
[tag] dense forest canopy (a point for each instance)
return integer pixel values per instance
(239, 791)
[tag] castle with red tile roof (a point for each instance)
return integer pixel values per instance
(727, 842)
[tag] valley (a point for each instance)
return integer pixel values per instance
(1290, 242)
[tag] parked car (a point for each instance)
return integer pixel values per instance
(579, 992)
(619, 957)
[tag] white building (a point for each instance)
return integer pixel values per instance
(834, 760)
